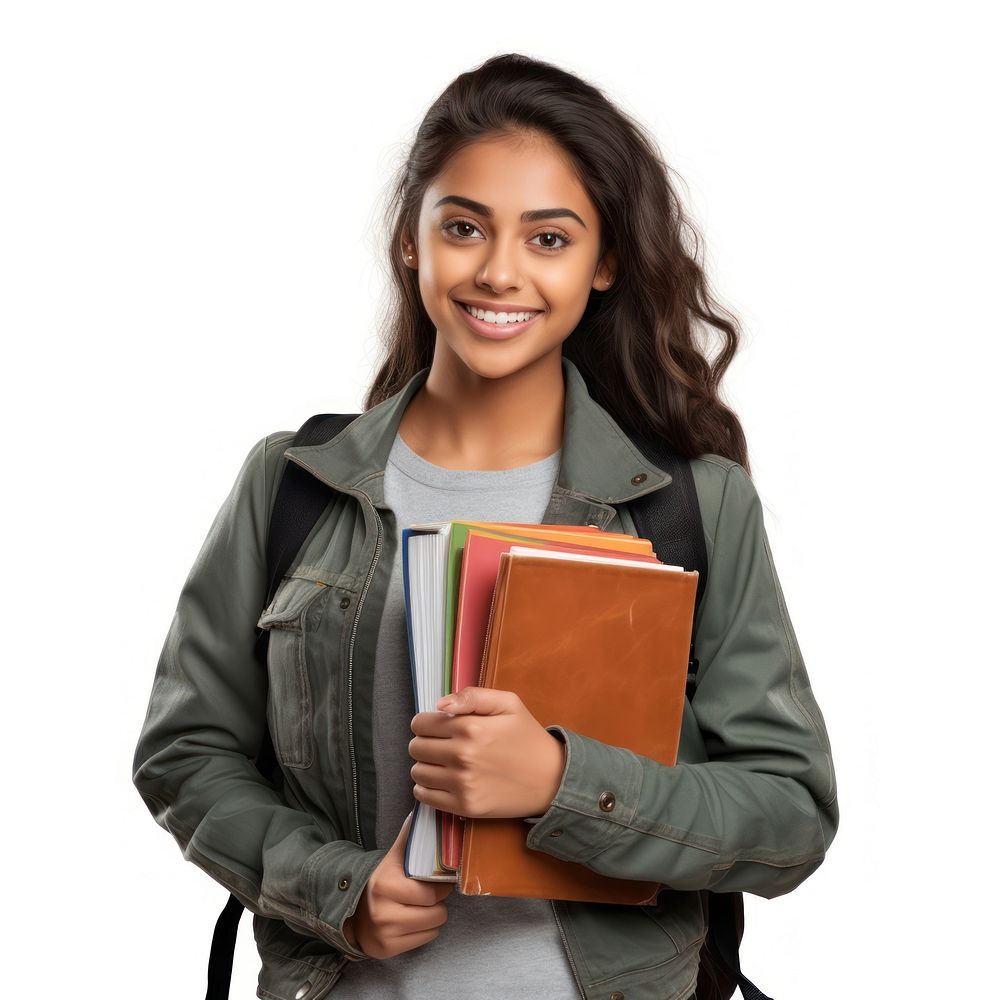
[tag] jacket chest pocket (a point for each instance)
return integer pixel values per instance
(291, 619)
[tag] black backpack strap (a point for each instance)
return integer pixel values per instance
(671, 519)
(725, 921)
(300, 500)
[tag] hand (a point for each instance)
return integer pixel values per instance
(486, 756)
(396, 913)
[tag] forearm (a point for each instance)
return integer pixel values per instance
(194, 760)
(689, 826)
(232, 824)
(761, 811)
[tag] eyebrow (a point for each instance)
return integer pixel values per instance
(535, 215)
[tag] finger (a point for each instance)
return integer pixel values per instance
(475, 700)
(432, 750)
(434, 776)
(411, 891)
(437, 889)
(436, 798)
(431, 724)
(420, 921)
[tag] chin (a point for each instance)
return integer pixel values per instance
(492, 370)
(495, 360)
(498, 367)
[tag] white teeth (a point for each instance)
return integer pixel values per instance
(502, 318)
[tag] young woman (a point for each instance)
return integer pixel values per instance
(548, 301)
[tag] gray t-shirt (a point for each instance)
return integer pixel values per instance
(491, 947)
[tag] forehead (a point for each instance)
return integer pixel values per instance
(511, 175)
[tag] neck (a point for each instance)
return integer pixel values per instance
(459, 419)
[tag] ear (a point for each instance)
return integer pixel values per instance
(607, 268)
(408, 251)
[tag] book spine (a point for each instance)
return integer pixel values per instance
(499, 589)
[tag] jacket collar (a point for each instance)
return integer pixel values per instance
(599, 462)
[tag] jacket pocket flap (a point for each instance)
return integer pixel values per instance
(291, 600)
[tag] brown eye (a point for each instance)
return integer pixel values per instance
(553, 234)
(464, 226)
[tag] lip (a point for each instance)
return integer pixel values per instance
(491, 330)
(500, 307)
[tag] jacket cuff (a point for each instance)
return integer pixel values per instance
(596, 799)
(339, 876)
(556, 731)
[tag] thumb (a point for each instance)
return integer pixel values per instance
(475, 700)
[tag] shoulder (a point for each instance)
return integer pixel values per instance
(273, 447)
(716, 477)
(267, 453)
(725, 493)
(271, 456)
(258, 477)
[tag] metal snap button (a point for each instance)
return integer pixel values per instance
(345, 602)
(606, 801)
(344, 882)
(555, 833)
(641, 478)
(617, 995)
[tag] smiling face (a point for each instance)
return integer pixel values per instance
(507, 227)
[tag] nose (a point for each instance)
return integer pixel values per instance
(500, 270)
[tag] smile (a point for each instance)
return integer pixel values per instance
(496, 326)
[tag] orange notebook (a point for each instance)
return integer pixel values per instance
(600, 646)
(477, 583)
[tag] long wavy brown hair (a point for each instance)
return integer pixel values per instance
(637, 344)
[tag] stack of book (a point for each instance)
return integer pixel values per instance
(590, 630)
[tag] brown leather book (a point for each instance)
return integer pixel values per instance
(600, 646)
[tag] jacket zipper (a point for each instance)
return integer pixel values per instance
(569, 954)
(350, 669)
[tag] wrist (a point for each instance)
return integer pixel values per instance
(558, 769)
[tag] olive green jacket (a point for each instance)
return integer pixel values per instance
(750, 805)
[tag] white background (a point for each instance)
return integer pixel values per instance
(189, 229)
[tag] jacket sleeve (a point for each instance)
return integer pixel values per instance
(194, 761)
(759, 815)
